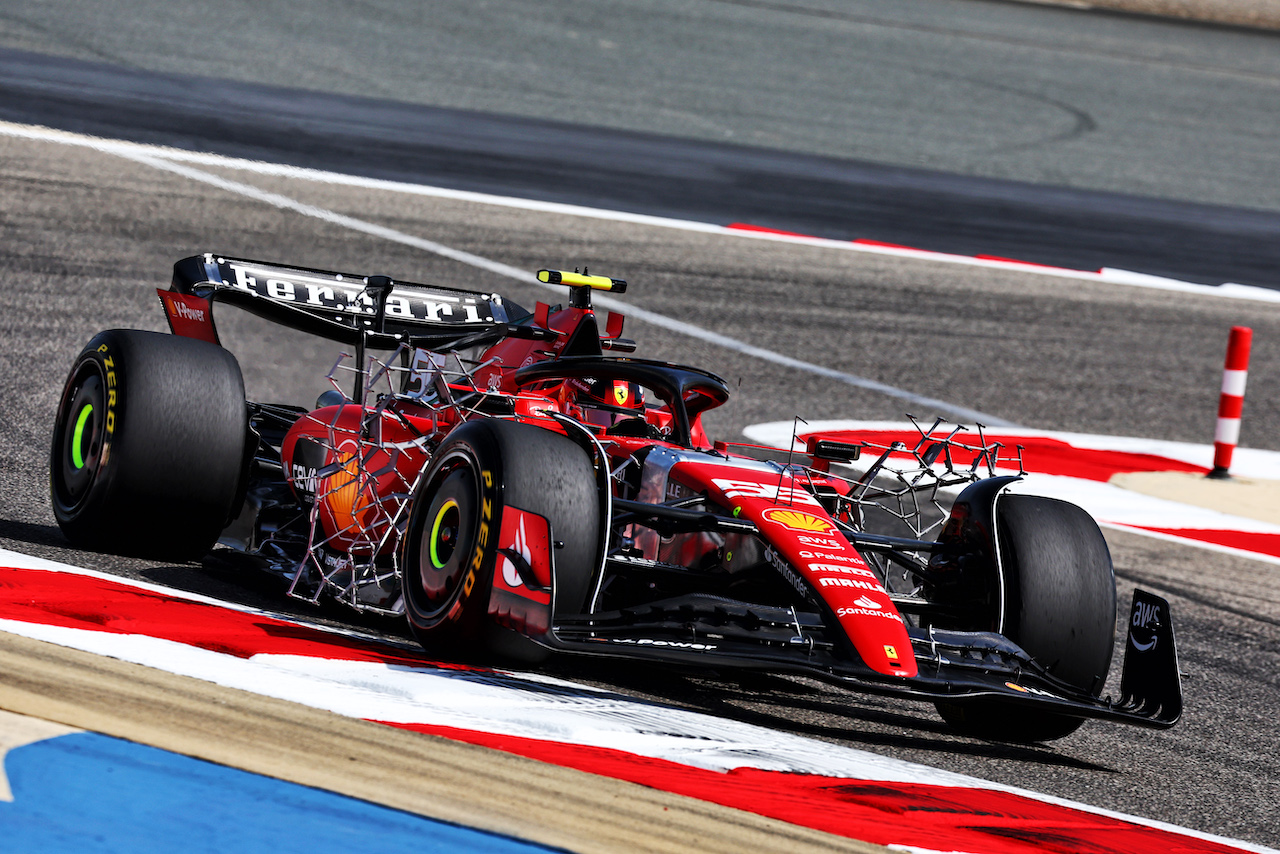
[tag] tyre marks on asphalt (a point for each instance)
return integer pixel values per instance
(165, 161)
(1016, 779)
(819, 786)
(184, 164)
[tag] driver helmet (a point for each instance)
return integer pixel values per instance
(605, 402)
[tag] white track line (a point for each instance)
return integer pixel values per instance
(1112, 506)
(1107, 275)
(164, 159)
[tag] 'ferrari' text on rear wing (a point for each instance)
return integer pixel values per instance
(340, 306)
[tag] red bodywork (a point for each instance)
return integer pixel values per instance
(804, 543)
(801, 531)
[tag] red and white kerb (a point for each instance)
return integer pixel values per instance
(1231, 402)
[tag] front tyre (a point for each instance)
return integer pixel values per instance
(1059, 605)
(148, 445)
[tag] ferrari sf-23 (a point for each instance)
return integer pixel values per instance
(513, 484)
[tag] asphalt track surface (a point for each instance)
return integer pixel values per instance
(969, 127)
(87, 236)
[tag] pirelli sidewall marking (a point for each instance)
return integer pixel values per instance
(113, 393)
(482, 551)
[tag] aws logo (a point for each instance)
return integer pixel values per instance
(1143, 631)
(798, 520)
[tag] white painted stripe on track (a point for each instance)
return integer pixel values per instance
(1112, 506)
(1198, 544)
(24, 561)
(1108, 275)
(1252, 462)
(162, 159)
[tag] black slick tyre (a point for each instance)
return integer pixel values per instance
(1059, 605)
(450, 550)
(148, 445)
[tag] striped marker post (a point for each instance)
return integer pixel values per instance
(1231, 402)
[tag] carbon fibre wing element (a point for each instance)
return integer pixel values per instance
(343, 307)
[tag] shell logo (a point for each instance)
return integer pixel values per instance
(798, 520)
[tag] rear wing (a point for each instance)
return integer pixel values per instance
(373, 311)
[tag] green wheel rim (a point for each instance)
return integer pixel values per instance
(436, 560)
(77, 437)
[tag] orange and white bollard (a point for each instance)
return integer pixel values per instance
(1231, 401)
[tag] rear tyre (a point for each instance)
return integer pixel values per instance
(1059, 606)
(148, 445)
(483, 468)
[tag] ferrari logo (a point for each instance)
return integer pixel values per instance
(621, 393)
(891, 652)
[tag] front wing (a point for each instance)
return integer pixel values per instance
(709, 631)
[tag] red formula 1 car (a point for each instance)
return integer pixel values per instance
(507, 483)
